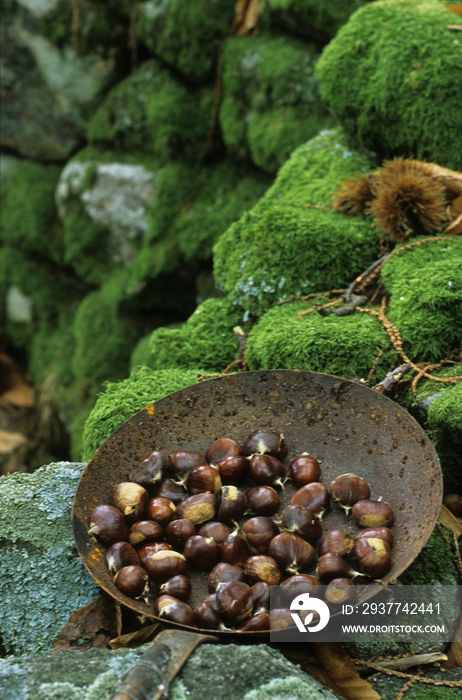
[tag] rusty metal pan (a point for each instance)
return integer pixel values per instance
(346, 425)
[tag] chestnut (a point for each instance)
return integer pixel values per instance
(348, 489)
(373, 556)
(130, 499)
(234, 549)
(372, 513)
(231, 504)
(341, 590)
(223, 573)
(217, 531)
(265, 470)
(145, 531)
(314, 496)
(291, 552)
(169, 608)
(262, 568)
(235, 601)
(132, 581)
(150, 469)
(183, 462)
(202, 552)
(161, 510)
(147, 550)
(169, 489)
(453, 502)
(197, 509)
(121, 554)
(304, 469)
(298, 584)
(107, 524)
(178, 587)
(262, 500)
(300, 521)
(261, 592)
(233, 470)
(178, 532)
(336, 542)
(332, 566)
(165, 564)
(207, 617)
(203, 478)
(280, 619)
(256, 623)
(382, 533)
(221, 449)
(265, 441)
(258, 533)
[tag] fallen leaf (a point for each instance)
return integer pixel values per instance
(20, 395)
(10, 441)
(451, 179)
(456, 207)
(454, 228)
(447, 519)
(454, 27)
(247, 15)
(13, 388)
(89, 627)
(342, 670)
(457, 8)
(134, 639)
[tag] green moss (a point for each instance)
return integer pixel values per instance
(445, 429)
(391, 76)
(425, 284)
(186, 35)
(345, 346)
(51, 351)
(319, 19)
(121, 400)
(270, 99)
(435, 563)
(29, 216)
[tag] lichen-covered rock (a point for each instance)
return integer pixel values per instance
(317, 19)
(425, 286)
(391, 76)
(285, 246)
(270, 102)
(122, 400)
(186, 35)
(42, 579)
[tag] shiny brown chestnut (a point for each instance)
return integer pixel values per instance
(258, 533)
(372, 556)
(332, 566)
(348, 489)
(166, 564)
(280, 619)
(216, 530)
(150, 469)
(262, 568)
(203, 478)
(314, 496)
(178, 532)
(341, 590)
(183, 462)
(223, 573)
(300, 521)
(203, 552)
(132, 581)
(298, 584)
(107, 524)
(197, 509)
(235, 601)
(370, 513)
(256, 623)
(265, 470)
(145, 531)
(147, 550)
(265, 441)
(178, 587)
(169, 608)
(161, 510)
(234, 549)
(130, 499)
(233, 470)
(262, 500)
(291, 553)
(261, 591)
(174, 492)
(336, 542)
(207, 617)
(382, 533)
(231, 504)
(304, 469)
(453, 502)
(221, 449)
(121, 554)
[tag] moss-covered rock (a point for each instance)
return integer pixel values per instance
(121, 400)
(270, 101)
(318, 19)
(339, 345)
(185, 35)
(435, 563)
(391, 76)
(425, 284)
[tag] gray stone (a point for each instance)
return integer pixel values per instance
(18, 305)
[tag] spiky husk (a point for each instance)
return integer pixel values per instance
(354, 196)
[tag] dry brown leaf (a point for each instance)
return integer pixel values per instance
(447, 519)
(89, 627)
(451, 179)
(135, 639)
(342, 670)
(457, 8)
(20, 395)
(454, 228)
(456, 207)
(10, 441)
(454, 27)
(247, 17)
(13, 388)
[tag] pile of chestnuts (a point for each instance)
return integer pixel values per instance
(220, 512)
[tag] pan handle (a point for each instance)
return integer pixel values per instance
(151, 676)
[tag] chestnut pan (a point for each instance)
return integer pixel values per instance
(346, 425)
